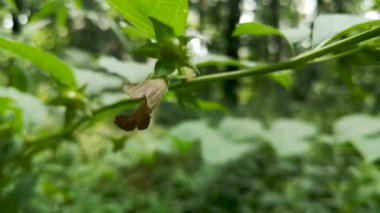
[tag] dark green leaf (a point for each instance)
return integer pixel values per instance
(163, 68)
(148, 50)
(162, 31)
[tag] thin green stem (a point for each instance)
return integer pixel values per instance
(39, 144)
(285, 65)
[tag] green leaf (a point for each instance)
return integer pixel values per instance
(96, 82)
(163, 68)
(362, 131)
(238, 129)
(48, 62)
(284, 78)
(355, 126)
(10, 116)
(151, 50)
(338, 26)
(289, 137)
(351, 29)
(131, 71)
(216, 149)
(20, 78)
(34, 111)
(171, 12)
(162, 31)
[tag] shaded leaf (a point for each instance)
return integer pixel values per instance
(162, 31)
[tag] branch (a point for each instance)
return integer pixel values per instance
(39, 144)
(285, 65)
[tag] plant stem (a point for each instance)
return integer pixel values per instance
(39, 144)
(289, 64)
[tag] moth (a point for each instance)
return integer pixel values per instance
(151, 92)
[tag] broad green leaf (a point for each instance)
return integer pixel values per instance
(191, 130)
(289, 137)
(238, 129)
(163, 68)
(362, 131)
(368, 148)
(217, 149)
(132, 72)
(336, 23)
(351, 29)
(96, 82)
(296, 35)
(162, 31)
(171, 12)
(355, 126)
(48, 62)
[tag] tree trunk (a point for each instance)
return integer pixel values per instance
(230, 87)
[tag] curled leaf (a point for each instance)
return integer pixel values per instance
(139, 119)
(151, 91)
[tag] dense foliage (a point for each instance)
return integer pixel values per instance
(279, 114)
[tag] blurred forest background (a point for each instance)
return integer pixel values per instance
(296, 141)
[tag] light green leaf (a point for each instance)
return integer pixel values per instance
(96, 82)
(238, 129)
(296, 35)
(255, 28)
(48, 62)
(34, 111)
(216, 149)
(355, 126)
(368, 148)
(289, 137)
(361, 26)
(191, 130)
(171, 12)
(131, 71)
(335, 23)
(362, 131)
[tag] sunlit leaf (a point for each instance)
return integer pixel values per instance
(171, 12)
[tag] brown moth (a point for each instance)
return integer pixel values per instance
(151, 91)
